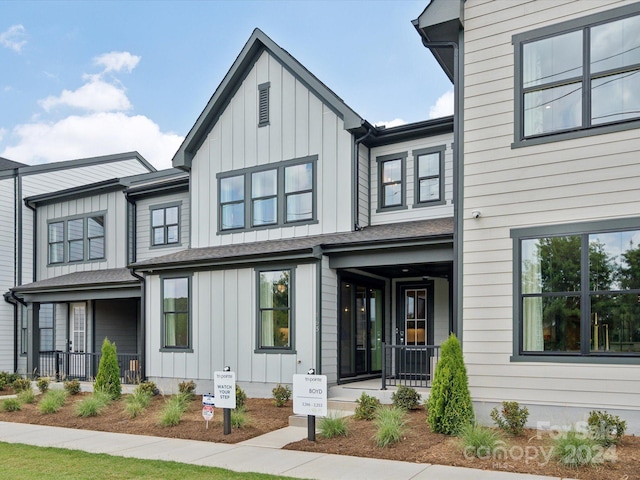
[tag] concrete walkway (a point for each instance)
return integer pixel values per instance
(261, 454)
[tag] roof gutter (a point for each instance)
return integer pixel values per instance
(10, 297)
(35, 240)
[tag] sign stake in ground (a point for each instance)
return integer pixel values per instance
(310, 398)
(207, 407)
(224, 386)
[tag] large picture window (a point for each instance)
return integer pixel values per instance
(276, 195)
(175, 313)
(578, 76)
(274, 310)
(579, 293)
(76, 239)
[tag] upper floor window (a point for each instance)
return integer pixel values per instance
(165, 225)
(176, 323)
(76, 240)
(278, 194)
(579, 77)
(429, 179)
(391, 188)
(578, 291)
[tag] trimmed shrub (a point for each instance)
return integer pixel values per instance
(479, 441)
(43, 384)
(367, 407)
(3, 383)
(390, 424)
(11, 405)
(511, 418)
(187, 388)
(52, 401)
(333, 426)
(241, 397)
(449, 407)
(281, 394)
(405, 397)
(72, 387)
(147, 387)
(93, 405)
(21, 384)
(7, 378)
(606, 429)
(27, 396)
(108, 377)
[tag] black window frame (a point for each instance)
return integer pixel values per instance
(585, 129)
(248, 199)
(417, 201)
(163, 329)
(259, 347)
(165, 226)
(85, 240)
(585, 293)
(380, 161)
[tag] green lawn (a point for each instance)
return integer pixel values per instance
(25, 462)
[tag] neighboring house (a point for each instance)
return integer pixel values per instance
(86, 237)
(549, 114)
(18, 181)
(315, 237)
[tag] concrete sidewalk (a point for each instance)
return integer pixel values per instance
(262, 454)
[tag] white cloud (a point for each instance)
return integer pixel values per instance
(443, 106)
(396, 122)
(94, 96)
(117, 61)
(93, 135)
(3, 132)
(14, 38)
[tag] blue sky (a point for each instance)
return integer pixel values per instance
(88, 78)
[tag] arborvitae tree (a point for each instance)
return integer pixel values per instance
(449, 407)
(108, 378)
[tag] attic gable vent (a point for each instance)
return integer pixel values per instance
(263, 104)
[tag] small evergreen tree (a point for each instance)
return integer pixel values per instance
(449, 405)
(108, 378)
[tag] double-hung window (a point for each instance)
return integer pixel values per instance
(175, 313)
(165, 225)
(429, 180)
(391, 186)
(578, 78)
(275, 321)
(578, 290)
(76, 239)
(276, 195)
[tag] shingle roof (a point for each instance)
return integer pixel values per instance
(94, 278)
(374, 235)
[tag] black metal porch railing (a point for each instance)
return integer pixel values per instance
(84, 366)
(409, 365)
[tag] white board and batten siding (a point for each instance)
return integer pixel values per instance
(412, 213)
(300, 125)
(224, 323)
(7, 269)
(144, 249)
(112, 205)
(54, 180)
(586, 179)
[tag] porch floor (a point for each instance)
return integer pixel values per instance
(350, 392)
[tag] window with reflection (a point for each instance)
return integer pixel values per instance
(175, 313)
(232, 202)
(298, 192)
(580, 294)
(56, 242)
(165, 225)
(264, 197)
(274, 310)
(76, 240)
(579, 79)
(428, 175)
(46, 317)
(391, 182)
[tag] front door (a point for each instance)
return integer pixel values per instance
(361, 328)
(414, 331)
(78, 364)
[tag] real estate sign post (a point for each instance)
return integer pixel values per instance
(207, 407)
(224, 385)
(310, 398)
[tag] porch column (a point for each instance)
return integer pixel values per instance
(33, 339)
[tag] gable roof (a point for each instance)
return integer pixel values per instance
(257, 43)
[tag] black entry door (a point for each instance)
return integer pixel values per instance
(415, 329)
(361, 328)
